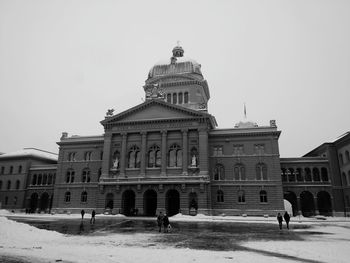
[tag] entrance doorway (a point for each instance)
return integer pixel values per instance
(33, 202)
(128, 203)
(292, 198)
(172, 202)
(109, 201)
(324, 203)
(44, 202)
(307, 204)
(150, 203)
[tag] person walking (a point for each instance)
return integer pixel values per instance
(286, 217)
(280, 219)
(166, 223)
(92, 220)
(160, 221)
(82, 214)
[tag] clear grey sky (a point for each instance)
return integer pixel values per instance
(64, 63)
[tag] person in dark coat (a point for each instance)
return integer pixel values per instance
(286, 217)
(92, 220)
(166, 223)
(279, 219)
(82, 214)
(160, 219)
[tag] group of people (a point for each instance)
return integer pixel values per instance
(92, 219)
(163, 220)
(286, 217)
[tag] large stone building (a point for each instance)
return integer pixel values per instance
(168, 154)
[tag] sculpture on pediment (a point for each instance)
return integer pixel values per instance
(109, 112)
(154, 91)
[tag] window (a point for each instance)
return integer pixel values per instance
(11, 169)
(175, 156)
(324, 174)
(20, 169)
(134, 157)
(40, 177)
(261, 171)
(347, 156)
(45, 179)
(34, 179)
(86, 176)
(217, 151)
(71, 157)
(83, 197)
(0, 185)
(186, 97)
(238, 149)
(154, 156)
(6, 200)
(341, 160)
(168, 97)
(180, 98)
(316, 174)
(291, 175)
(70, 176)
(17, 184)
(219, 172)
(2, 170)
(239, 172)
(308, 175)
(259, 149)
(284, 174)
(299, 175)
(67, 197)
(8, 185)
(263, 196)
(220, 196)
(174, 98)
(241, 196)
(49, 181)
(87, 156)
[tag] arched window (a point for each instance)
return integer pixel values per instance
(17, 184)
(220, 196)
(86, 176)
(8, 185)
(134, 157)
(67, 197)
(83, 197)
(186, 97)
(168, 97)
(175, 156)
(154, 156)
(45, 179)
(49, 181)
(34, 179)
(299, 174)
(261, 171)
(180, 98)
(174, 98)
(70, 176)
(219, 172)
(239, 172)
(316, 174)
(20, 169)
(324, 174)
(308, 175)
(241, 196)
(11, 169)
(263, 196)
(291, 175)
(284, 174)
(347, 156)
(341, 160)
(40, 179)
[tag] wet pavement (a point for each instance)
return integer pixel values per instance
(223, 236)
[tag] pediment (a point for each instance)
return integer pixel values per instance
(154, 111)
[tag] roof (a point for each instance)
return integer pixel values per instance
(81, 139)
(304, 160)
(30, 152)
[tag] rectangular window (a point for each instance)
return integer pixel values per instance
(259, 149)
(238, 149)
(217, 151)
(2, 170)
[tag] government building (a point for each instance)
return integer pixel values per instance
(167, 154)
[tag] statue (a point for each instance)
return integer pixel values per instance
(116, 163)
(194, 160)
(109, 112)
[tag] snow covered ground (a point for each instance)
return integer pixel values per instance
(22, 241)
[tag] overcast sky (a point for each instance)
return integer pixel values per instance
(64, 63)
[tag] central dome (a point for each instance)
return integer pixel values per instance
(177, 64)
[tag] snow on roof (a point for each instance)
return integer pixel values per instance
(31, 152)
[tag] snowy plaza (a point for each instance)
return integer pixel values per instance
(116, 238)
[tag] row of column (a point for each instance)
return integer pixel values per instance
(203, 152)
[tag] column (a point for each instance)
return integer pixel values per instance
(143, 153)
(184, 151)
(123, 154)
(203, 151)
(106, 155)
(164, 152)
(316, 205)
(298, 205)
